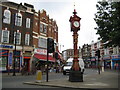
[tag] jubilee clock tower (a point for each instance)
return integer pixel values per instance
(75, 74)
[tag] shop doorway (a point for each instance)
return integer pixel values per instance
(27, 65)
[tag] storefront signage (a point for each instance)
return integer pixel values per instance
(6, 46)
(93, 59)
(41, 51)
(107, 57)
(115, 57)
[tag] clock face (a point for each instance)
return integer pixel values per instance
(76, 23)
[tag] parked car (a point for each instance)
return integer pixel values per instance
(68, 65)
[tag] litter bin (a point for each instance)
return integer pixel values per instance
(39, 76)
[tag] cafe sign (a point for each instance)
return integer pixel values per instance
(41, 51)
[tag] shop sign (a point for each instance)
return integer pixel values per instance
(93, 59)
(115, 57)
(6, 46)
(27, 48)
(41, 51)
(107, 57)
(18, 47)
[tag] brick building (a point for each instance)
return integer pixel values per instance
(43, 28)
(68, 53)
(109, 56)
(16, 21)
(33, 28)
(86, 54)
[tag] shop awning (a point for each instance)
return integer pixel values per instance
(3, 52)
(44, 57)
(27, 57)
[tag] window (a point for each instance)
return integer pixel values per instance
(45, 29)
(27, 39)
(98, 45)
(7, 16)
(18, 37)
(27, 22)
(5, 36)
(18, 19)
(42, 42)
(3, 63)
(41, 27)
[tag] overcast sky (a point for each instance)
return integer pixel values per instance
(61, 10)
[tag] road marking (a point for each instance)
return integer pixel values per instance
(97, 84)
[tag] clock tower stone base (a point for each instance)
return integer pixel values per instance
(75, 76)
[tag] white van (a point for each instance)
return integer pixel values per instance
(68, 65)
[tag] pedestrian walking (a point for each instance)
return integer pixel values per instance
(57, 69)
(24, 70)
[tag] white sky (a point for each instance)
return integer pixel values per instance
(61, 10)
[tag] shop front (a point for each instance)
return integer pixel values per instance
(40, 58)
(87, 62)
(8, 55)
(26, 61)
(27, 55)
(3, 60)
(17, 61)
(41, 54)
(115, 62)
(107, 61)
(93, 62)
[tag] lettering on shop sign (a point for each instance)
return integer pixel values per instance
(6, 46)
(41, 51)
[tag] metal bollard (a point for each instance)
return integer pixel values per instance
(39, 76)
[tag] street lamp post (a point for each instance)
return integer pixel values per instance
(14, 56)
(15, 42)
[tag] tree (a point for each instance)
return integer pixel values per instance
(107, 19)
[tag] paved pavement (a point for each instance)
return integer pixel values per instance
(107, 79)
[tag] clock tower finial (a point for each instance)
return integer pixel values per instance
(74, 10)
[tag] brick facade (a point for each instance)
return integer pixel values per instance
(26, 52)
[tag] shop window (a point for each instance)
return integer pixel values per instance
(5, 36)
(17, 59)
(3, 63)
(7, 16)
(18, 37)
(27, 22)
(18, 19)
(27, 39)
(17, 63)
